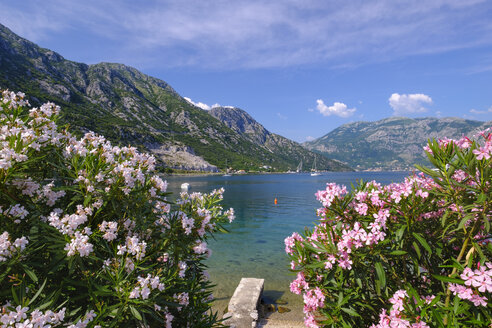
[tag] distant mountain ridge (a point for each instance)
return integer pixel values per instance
(241, 122)
(394, 143)
(129, 107)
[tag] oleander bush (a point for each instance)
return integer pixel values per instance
(87, 236)
(410, 254)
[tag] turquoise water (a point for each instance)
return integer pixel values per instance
(255, 245)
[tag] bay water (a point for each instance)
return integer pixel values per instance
(254, 246)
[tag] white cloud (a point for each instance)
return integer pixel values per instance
(409, 104)
(309, 138)
(255, 33)
(205, 106)
(198, 104)
(338, 109)
(481, 112)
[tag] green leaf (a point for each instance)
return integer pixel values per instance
(315, 265)
(380, 273)
(400, 232)
(135, 313)
(340, 298)
(38, 292)
(417, 249)
(30, 273)
(398, 252)
(422, 242)
(15, 296)
(465, 220)
(456, 304)
(477, 247)
(448, 279)
(350, 312)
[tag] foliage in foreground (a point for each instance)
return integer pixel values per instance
(87, 237)
(412, 254)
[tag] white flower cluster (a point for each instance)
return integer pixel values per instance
(7, 248)
(17, 211)
(16, 138)
(134, 247)
(182, 298)
(145, 286)
(18, 317)
(104, 204)
(31, 188)
(79, 244)
(110, 230)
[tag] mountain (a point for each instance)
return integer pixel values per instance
(129, 107)
(390, 144)
(241, 122)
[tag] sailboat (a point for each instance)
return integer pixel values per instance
(299, 167)
(314, 172)
(227, 171)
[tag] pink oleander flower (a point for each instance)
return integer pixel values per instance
(482, 153)
(310, 321)
(290, 242)
(313, 300)
(299, 284)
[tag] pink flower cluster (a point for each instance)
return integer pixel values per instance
(481, 153)
(368, 203)
(332, 191)
(485, 151)
(290, 242)
(353, 226)
(395, 319)
(480, 279)
(313, 300)
(299, 284)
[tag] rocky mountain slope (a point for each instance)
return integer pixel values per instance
(390, 144)
(129, 107)
(241, 122)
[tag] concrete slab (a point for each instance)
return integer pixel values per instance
(243, 306)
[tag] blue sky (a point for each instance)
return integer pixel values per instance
(301, 68)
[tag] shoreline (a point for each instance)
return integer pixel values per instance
(198, 173)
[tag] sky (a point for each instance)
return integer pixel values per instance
(299, 67)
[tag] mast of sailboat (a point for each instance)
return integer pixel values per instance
(314, 170)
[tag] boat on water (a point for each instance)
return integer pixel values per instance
(185, 186)
(227, 174)
(299, 167)
(314, 172)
